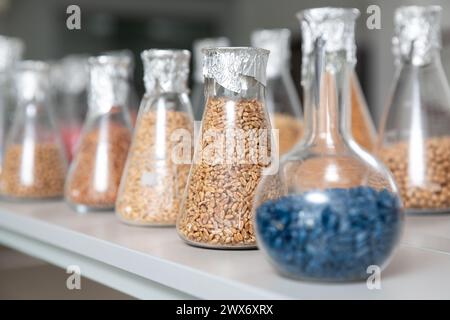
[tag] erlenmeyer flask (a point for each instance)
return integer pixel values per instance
(332, 209)
(282, 98)
(155, 175)
(415, 131)
(34, 164)
(11, 50)
(233, 149)
(95, 172)
(198, 90)
(70, 78)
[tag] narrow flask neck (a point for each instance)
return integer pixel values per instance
(327, 113)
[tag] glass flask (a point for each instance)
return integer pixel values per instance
(332, 209)
(70, 78)
(415, 132)
(159, 160)
(95, 172)
(233, 149)
(34, 164)
(11, 50)
(282, 99)
(198, 90)
(133, 98)
(362, 126)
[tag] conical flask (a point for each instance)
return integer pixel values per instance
(415, 131)
(94, 175)
(34, 164)
(155, 175)
(282, 98)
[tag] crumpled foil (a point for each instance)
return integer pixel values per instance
(166, 70)
(227, 66)
(277, 42)
(201, 44)
(32, 80)
(11, 51)
(109, 82)
(417, 34)
(333, 27)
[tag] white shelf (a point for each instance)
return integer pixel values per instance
(154, 263)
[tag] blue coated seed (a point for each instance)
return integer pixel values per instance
(336, 240)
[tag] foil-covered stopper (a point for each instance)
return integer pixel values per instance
(417, 33)
(11, 51)
(166, 70)
(333, 27)
(108, 82)
(127, 54)
(71, 74)
(277, 42)
(32, 80)
(201, 44)
(227, 66)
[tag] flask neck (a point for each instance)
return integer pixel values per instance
(250, 88)
(326, 85)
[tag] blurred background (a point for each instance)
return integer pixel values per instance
(143, 24)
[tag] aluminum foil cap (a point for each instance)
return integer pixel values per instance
(201, 44)
(227, 66)
(334, 27)
(32, 80)
(11, 51)
(166, 70)
(417, 34)
(108, 82)
(277, 42)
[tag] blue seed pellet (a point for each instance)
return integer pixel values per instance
(331, 235)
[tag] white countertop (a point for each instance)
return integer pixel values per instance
(155, 263)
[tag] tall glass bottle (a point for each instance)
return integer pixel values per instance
(158, 164)
(415, 131)
(95, 172)
(198, 90)
(70, 78)
(332, 209)
(282, 98)
(11, 50)
(233, 149)
(34, 164)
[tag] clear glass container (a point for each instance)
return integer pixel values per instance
(198, 89)
(95, 172)
(415, 131)
(283, 103)
(70, 79)
(233, 149)
(11, 50)
(158, 164)
(332, 209)
(34, 164)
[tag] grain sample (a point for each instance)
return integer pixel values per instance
(36, 172)
(154, 183)
(95, 174)
(290, 131)
(218, 206)
(421, 189)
